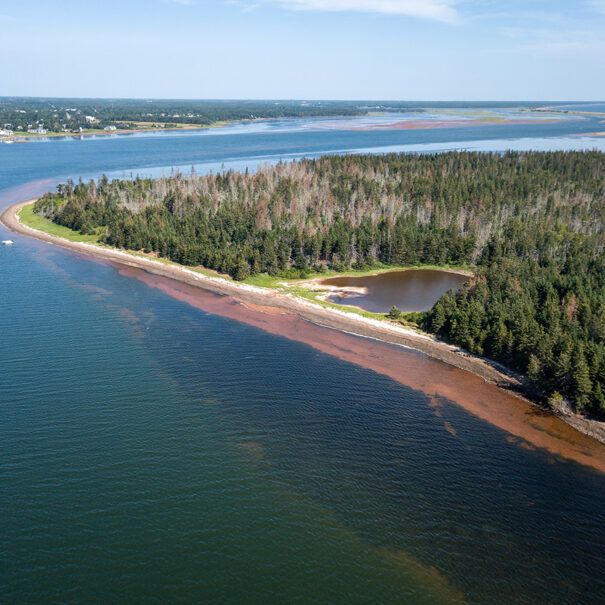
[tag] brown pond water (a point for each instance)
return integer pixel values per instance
(408, 290)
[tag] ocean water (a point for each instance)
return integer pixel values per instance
(152, 452)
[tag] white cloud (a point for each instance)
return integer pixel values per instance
(440, 10)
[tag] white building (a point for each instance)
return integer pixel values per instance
(38, 130)
(109, 128)
(5, 132)
(90, 119)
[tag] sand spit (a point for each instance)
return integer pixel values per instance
(263, 299)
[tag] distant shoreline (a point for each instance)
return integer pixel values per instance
(25, 137)
(419, 124)
(337, 319)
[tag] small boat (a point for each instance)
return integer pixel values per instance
(7, 242)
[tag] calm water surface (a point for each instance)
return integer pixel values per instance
(416, 290)
(151, 452)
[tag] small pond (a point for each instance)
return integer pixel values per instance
(408, 290)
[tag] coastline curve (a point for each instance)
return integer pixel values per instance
(259, 299)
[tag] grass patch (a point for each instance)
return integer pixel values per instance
(265, 281)
(28, 217)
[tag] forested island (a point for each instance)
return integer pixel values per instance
(530, 224)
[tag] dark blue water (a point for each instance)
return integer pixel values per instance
(151, 452)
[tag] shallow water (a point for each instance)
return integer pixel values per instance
(160, 448)
(416, 290)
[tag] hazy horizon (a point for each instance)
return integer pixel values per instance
(417, 102)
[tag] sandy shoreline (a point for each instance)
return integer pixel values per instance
(343, 321)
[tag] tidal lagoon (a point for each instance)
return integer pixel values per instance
(410, 290)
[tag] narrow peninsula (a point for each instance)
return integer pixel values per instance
(526, 228)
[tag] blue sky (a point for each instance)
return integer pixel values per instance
(305, 49)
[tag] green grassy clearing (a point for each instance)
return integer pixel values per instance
(29, 218)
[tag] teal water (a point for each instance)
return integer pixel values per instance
(151, 452)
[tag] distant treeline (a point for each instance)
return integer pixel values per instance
(532, 223)
(56, 115)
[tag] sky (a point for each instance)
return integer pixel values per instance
(305, 49)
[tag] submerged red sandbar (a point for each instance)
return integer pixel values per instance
(530, 426)
(428, 124)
